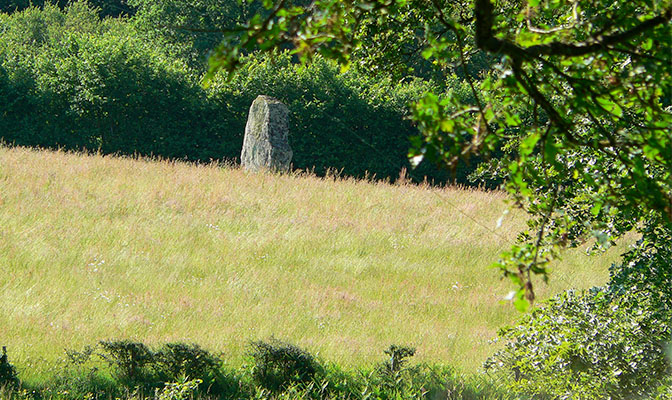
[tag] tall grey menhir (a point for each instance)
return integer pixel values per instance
(266, 144)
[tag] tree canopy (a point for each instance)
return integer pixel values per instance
(577, 95)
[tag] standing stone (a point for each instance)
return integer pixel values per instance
(265, 146)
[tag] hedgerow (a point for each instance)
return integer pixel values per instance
(75, 81)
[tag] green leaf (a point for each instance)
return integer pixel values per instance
(550, 150)
(527, 145)
(520, 302)
(447, 125)
(427, 53)
(610, 106)
(595, 210)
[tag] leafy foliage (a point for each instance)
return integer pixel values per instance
(579, 104)
(278, 365)
(346, 122)
(594, 159)
(82, 378)
(610, 342)
(80, 374)
(176, 361)
(131, 360)
(172, 369)
(399, 355)
(184, 390)
(104, 8)
(189, 29)
(75, 81)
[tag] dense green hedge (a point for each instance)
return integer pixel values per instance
(345, 122)
(72, 80)
(76, 82)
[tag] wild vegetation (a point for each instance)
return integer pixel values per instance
(76, 81)
(569, 100)
(577, 98)
(96, 247)
(103, 248)
(277, 370)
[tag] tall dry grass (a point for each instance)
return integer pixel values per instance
(97, 247)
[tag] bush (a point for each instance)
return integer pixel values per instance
(609, 342)
(178, 361)
(399, 355)
(131, 360)
(175, 360)
(8, 377)
(74, 81)
(136, 366)
(278, 365)
(290, 373)
(345, 122)
(160, 22)
(103, 7)
(182, 390)
(79, 375)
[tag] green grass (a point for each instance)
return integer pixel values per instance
(95, 247)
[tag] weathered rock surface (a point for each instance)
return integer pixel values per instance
(266, 145)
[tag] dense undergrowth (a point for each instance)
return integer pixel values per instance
(610, 342)
(125, 369)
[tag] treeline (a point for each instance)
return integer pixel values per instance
(105, 8)
(81, 77)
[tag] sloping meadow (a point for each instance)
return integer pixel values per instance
(97, 247)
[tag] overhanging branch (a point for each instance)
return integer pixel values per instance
(572, 50)
(486, 40)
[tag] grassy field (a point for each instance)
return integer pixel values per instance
(95, 247)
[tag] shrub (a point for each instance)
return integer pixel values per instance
(8, 377)
(136, 366)
(131, 360)
(79, 375)
(345, 122)
(182, 390)
(159, 21)
(103, 7)
(609, 342)
(399, 355)
(278, 365)
(77, 82)
(178, 361)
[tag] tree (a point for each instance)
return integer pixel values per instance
(104, 8)
(196, 25)
(578, 99)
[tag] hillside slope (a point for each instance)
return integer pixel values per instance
(95, 247)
